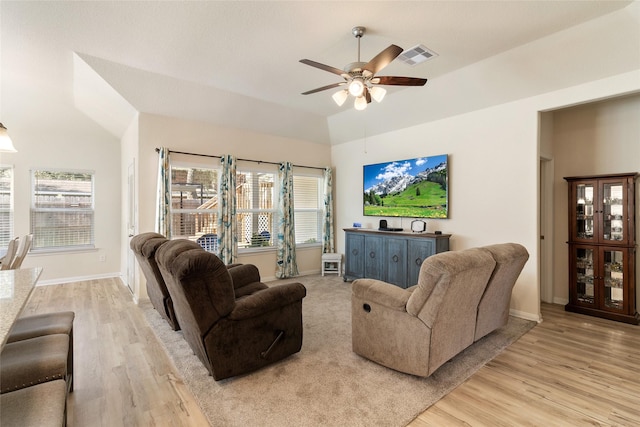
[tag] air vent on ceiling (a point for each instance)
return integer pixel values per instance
(416, 55)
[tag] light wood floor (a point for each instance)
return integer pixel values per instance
(569, 370)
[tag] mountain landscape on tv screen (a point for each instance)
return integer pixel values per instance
(407, 188)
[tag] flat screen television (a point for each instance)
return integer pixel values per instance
(413, 188)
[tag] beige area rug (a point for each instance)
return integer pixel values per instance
(325, 384)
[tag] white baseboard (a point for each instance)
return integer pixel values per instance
(525, 315)
(561, 301)
(78, 279)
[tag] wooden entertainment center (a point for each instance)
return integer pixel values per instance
(392, 256)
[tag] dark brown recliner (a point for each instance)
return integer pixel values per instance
(231, 334)
(144, 246)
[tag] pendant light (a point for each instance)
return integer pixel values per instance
(5, 142)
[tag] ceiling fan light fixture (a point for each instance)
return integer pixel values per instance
(340, 97)
(360, 103)
(360, 77)
(356, 87)
(377, 93)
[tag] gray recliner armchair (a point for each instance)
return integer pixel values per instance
(460, 297)
(234, 323)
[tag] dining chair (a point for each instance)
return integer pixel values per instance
(8, 258)
(23, 250)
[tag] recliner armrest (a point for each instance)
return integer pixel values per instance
(380, 292)
(267, 300)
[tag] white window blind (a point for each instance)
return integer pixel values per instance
(6, 205)
(308, 201)
(62, 211)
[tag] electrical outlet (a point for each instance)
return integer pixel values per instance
(102, 258)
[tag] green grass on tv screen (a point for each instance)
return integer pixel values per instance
(422, 200)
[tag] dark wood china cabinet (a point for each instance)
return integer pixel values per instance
(602, 246)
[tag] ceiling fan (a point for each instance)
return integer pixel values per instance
(360, 77)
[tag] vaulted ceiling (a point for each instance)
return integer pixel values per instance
(237, 62)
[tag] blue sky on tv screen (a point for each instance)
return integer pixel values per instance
(374, 174)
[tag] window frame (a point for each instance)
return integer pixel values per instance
(34, 210)
(10, 209)
(319, 208)
(248, 247)
(192, 165)
(252, 167)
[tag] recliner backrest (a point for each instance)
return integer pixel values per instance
(446, 298)
(493, 309)
(144, 247)
(200, 287)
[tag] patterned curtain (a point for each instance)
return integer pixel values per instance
(328, 240)
(163, 197)
(286, 265)
(227, 224)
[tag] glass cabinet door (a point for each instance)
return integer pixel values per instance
(613, 279)
(585, 277)
(584, 211)
(612, 212)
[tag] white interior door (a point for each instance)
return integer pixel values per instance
(546, 230)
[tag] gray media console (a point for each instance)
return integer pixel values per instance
(394, 257)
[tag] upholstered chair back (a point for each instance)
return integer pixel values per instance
(200, 286)
(144, 246)
(446, 298)
(493, 310)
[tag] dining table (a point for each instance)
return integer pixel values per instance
(15, 289)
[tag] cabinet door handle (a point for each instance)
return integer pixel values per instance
(372, 254)
(418, 261)
(354, 252)
(395, 258)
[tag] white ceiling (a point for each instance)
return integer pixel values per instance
(236, 62)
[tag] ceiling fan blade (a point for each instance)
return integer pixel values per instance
(328, 68)
(383, 59)
(320, 89)
(399, 81)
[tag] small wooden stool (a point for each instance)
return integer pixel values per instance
(332, 263)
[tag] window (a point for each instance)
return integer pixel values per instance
(62, 210)
(308, 204)
(6, 205)
(256, 210)
(194, 205)
(195, 209)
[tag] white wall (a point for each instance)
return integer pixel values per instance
(592, 139)
(82, 147)
(493, 181)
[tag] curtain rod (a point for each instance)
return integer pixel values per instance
(244, 160)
